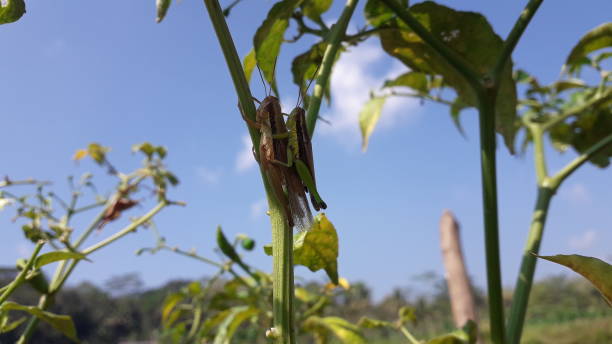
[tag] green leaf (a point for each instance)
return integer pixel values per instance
(406, 315)
(466, 335)
(313, 9)
(248, 64)
(598, 38)
(415, 80)
(62, 323)
(12, 11)
(235, 317)
(305, 65)
(162, 9)
(225, 246)
(595, 270)
(377, 13)
(171, 301)
(366, 322)
(455, 110)
(97, 152)
(51, 257)
(270, 35)
(316, 248)
(5, 326)
(563, 85)
(368, 117)
(146, 148)
(342, 329)
(472, 38)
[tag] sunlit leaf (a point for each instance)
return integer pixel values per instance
(377, 13)
(171, 301)
(316, 248)
(9, 326)
(162, 9)
(97, 152)
(62, 323)
(80, 154)
(598, 38)
(313, 9)
(368, 118)
(305, 65)
(11, 11)
(236, 316)
(414, 80)
(595, 270)
(270, 35)
(248, 64)
(366, 322)
(468, 334)
(343, 330)
(472, 38)
(51, 257)
(406, 315)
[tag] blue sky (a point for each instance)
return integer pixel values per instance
(76, 72)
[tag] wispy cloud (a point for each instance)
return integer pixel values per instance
(355, 75)
(245, 159)
(583, 241)
(258, 208)
(577, 193)
(209, 176)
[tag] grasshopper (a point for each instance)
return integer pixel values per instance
(299, 154)
(284, 180)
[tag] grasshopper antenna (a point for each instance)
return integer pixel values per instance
(272, 88)
(300, 98)
(262, 81)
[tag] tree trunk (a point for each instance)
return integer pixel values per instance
(459, 287)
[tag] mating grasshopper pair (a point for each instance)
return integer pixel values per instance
(285, 155)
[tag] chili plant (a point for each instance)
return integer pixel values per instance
(48, 222)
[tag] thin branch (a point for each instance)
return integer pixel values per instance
(514, 36)
(22, 275)
(329, 57)
(579, 161)
(605, 97)
(447, 53)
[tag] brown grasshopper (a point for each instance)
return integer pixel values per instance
(273, 159)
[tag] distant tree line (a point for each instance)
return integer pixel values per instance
(122, 311)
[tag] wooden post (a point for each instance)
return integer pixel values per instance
(459, 287)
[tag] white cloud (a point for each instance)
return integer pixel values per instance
(258, 208)
(577, 193)
(354, 76)
(209, 176)
(245, 159)
(583, 241)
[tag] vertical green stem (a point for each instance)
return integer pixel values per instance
(525, 278)
(282, 235)
(489, 198)
(282, 272)
(329, 57)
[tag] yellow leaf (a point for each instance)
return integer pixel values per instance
(80, 154)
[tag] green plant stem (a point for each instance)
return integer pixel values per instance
(580, 160)
(539, 156)
(489, 198)
(22, 274)
(524, 282)
(127, 230)
(436, 44)
(282, 273)
(409, 335)
(233, 63)
(59, 279)
(282, 235)
(511, 41)
(604, 97)
(334, 41)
